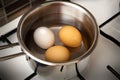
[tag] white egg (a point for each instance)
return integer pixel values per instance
(44, 37)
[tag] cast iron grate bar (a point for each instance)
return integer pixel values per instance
(106, 35)
(61, 69)
(113, 71)
(10, 45)
(10, 33)
(78, 74)
(110, 19)
(110, 38)
(33, 74)
(4, 37)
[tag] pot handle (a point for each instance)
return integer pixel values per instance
(10, 56)
(9, 45)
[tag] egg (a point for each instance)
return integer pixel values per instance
(57, 54)
(44, 37)
(70, 36)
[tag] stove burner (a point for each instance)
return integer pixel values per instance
(113, 71)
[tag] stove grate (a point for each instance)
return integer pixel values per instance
(78, 74)
(113, 71)
(33, 74)
(110, 38)
(105, 34)
(4, 37)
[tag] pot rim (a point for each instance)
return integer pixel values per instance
(28, 53)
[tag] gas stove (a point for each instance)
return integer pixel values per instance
(102, 64)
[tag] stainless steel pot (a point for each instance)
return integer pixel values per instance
(54, 14)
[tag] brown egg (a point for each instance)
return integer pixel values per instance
(57, 54)
(70, 36)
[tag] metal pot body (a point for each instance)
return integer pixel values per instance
(52, 14)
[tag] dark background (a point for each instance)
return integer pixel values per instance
(10, 9)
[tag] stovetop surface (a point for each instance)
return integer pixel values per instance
(105, 54)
